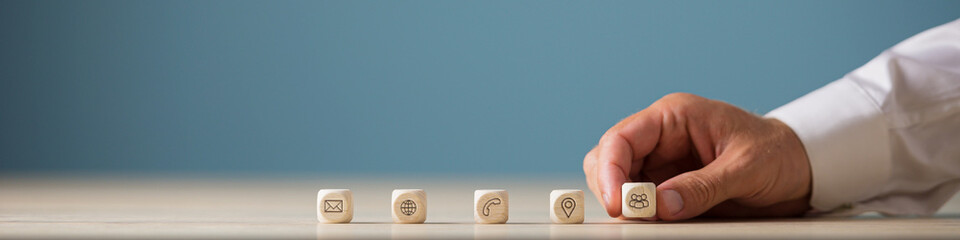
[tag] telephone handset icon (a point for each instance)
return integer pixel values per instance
(486, 206)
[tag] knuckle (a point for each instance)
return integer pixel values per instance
(681, 103)
(589, 162)
(678, 95)
(586, 164)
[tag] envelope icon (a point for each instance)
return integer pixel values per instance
(332, 205)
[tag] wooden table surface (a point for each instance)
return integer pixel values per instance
(237, 206)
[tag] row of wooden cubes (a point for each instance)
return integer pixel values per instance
(490, 206)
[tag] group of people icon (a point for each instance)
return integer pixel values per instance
(638, 201)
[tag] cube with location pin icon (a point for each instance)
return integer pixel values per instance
(566, 206)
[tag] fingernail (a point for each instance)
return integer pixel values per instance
(606, 199)
(673, 201)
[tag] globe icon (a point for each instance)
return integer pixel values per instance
(408, 207)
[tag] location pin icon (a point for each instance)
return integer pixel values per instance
(568, 204)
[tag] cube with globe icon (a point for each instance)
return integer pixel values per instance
(409, 206)
(638, 199)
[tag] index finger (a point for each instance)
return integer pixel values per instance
(626, 142)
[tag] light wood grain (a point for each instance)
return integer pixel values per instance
(417, 211)
(638, 199)
(200, 206)
(566, 206)
(491, 206)
(334, 206)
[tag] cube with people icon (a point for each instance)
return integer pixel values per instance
(639, 199)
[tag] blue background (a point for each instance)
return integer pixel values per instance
(398, 86)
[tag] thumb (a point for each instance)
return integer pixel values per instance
(692, 193)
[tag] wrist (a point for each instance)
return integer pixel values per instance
(796, 163)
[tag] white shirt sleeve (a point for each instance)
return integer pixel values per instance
(886, 137)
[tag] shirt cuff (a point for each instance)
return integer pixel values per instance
(847, 142)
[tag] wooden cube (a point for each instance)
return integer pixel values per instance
(638, 199)
(566, 206)
(334, 205)
(491, 206)
(409, 206)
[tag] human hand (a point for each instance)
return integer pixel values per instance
(706, 157)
